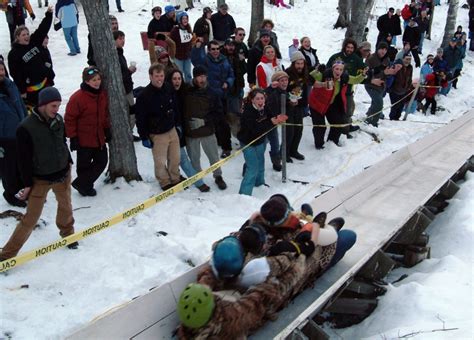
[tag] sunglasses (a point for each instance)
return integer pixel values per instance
(241, 34)
(214, 48)
(339, 62)
(92, 71)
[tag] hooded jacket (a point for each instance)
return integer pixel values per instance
(12, 109)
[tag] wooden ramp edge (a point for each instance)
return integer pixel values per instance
(375, 203)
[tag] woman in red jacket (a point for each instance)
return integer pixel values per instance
(328, 99)
(88, 127)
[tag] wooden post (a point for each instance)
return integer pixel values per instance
(413, 96)
(283, 139)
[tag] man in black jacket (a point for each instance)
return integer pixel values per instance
(45, 164)
(389, 23)
(412, 36)
(157, 109)
(223, 24)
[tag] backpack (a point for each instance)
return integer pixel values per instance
(406, 13)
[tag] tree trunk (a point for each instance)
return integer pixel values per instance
(123, 161)
(344, 9)
(360, 12)
(220, 2)
(450, 27)
(428, 32)
(256, 20)
(190, 3)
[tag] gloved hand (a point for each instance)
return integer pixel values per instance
(196, 123)
(74, 143)
(147, 143)
(32, 16)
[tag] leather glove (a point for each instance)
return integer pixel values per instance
(74, 143)
(147, 143)
(32, 16)
(196, 123)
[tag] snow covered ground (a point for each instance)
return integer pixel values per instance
(69, 288)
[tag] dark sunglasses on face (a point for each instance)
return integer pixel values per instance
(214, 48)
(241, 34)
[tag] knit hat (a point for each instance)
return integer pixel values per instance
(263, 32)
(399, 61)
(255, 271)
(275, 211)
(206, 10)
(89, 72)
(48, 95)
(430, 56)
(297, 56)
(365, 45)
(156, 9)
(278, 75)
(382, 45)
(181, 15)
(439, 50)
(224, 6)
(169, 9)
(229, 41)
(199, 71)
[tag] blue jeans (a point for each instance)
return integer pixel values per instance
(255, 168)
(185, 164)
(345, 240)
(70, 34)
(376, 105)
(274, 141)
(420, 44)
(185, 67)
(394, 40)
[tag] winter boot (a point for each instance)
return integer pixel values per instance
(220, 183)
(204, 188)
(276, 161)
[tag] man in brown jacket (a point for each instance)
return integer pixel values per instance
(401, 86)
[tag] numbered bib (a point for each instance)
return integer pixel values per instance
(185, 36)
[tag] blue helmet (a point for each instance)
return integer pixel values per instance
(228, 258)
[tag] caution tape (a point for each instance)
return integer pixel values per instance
(131, 212)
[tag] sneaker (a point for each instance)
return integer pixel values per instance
(297, 156)
(91, 192)
(136, 138)
(121, 10)
(349, 136)
(166, 187)
(71, 54)
(319, 147)
(73, 245)
(220, 183)
(12, 200)
(225, 153)
(204, 188)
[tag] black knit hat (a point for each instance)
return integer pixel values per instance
(48, 95)
(199, 71)
(275, 211)
(263, 32)
(253, 238)
(382, 45)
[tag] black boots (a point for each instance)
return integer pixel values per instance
(276, 161)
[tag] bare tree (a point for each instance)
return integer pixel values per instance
(450, 27)
(344, 9)
(123, 161)
(360, 12)
(256, 20)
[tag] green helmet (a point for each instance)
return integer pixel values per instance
(195, 305)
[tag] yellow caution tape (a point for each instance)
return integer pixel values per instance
(133, 211)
